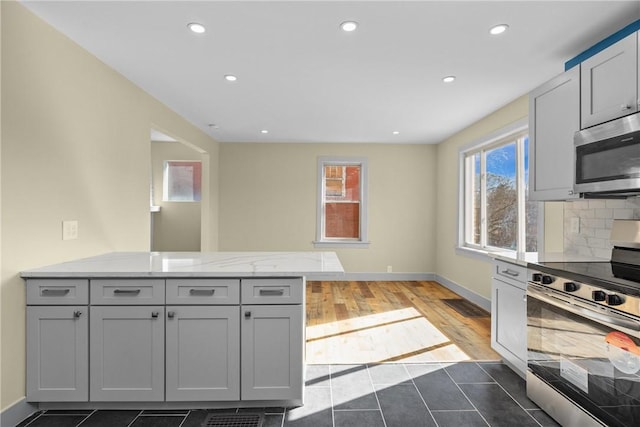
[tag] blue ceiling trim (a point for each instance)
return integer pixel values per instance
(615, 37)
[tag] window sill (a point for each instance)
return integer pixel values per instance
(341, 244)
(479, 254)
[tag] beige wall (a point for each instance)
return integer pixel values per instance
(177, 226)
(471, 273)
(268, 202)
(75, 145)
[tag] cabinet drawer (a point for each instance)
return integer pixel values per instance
(127, 291)
(511, 272)
(273, 291)
(57, 291)
(203, 291)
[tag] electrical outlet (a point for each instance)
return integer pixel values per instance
(69, 230)
(389, 269)
(575, 225)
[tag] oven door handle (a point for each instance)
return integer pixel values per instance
(576, 307)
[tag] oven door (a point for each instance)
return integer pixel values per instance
(586, 352)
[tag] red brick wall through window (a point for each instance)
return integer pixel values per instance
(342, 214)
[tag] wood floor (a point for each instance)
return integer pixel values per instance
(383, 322)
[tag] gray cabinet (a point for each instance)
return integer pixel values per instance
(609, 82)
(272, 339)
(57, 340)
(272, 352)
(554, 117)
(203, 353)
(127, 353)
(57, 353)
(165, 340)
(509, 314)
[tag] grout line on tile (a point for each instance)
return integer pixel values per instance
(375, 394)
(421, 397)
(467, 397)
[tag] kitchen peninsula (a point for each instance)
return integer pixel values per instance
(170, 329)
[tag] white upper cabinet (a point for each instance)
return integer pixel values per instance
(554, 117)
(609, 83)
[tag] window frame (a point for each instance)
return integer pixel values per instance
(516, 131)
(322, 241)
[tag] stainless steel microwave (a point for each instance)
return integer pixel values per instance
(607, 158)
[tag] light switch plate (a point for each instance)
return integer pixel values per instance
(69, 230)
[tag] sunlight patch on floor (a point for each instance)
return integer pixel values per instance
(394, 336)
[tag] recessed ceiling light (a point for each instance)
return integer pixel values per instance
(395, 132)
(349, 26)
(498, 29)
(448, 79)
(230, 78)
(264, 131)
(196, 28)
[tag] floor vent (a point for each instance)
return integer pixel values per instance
(466, 308)
(233, 420)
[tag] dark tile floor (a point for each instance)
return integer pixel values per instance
(467, 394)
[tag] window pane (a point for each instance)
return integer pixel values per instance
(531, 207)
(183, 181)
(476, 199)
(502, 200)
(342, 201)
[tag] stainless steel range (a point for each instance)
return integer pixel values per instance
(583, 337)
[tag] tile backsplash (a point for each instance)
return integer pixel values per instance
(595, 220)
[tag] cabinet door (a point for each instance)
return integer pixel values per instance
(203, 353)
(127, 353)
(57, 354)
(509, 323)
(609, 83)
(554, 117)
(272, 352)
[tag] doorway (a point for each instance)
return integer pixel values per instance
(178, 194)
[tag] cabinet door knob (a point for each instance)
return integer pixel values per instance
(247, 314)
(154, 314)
(625, 107)
(171, 314)
(77, 313)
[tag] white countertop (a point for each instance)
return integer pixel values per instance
(195, 264)
(524, 258)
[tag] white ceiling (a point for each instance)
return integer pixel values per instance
(304, 80)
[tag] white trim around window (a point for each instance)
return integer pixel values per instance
(321, 240)
(466, 244)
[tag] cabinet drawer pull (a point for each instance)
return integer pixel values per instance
(77, 313)
(247, 314)
(202, 291)
(171, 314)
(272, 292)
(510, 272)
(155, 314)
(625, 107)
(126, 291)
(55, 292)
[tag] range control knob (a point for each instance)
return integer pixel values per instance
(613, 299)
(598, 295)
(547, 280)
(570, 286)
(536, 277)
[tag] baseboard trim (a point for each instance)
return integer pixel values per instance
(372, 277)
(464, 292)
(17, 412)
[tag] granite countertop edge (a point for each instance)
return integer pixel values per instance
(194, 265)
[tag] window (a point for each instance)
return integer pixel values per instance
(496, 214)
(342, 202)
(182, 181)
